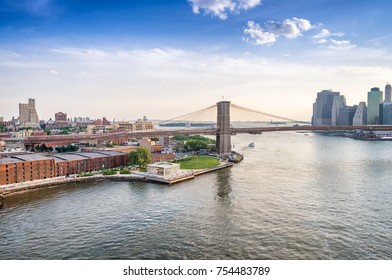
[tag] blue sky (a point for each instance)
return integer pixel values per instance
(125, 59)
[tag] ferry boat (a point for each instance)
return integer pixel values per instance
(373, 136)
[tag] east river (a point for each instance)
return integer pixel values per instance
(295, 196)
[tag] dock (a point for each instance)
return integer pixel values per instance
(185, 175)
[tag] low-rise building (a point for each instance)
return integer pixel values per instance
(22, 133)
(143, 125)
(32, 166)
(25, 168)
(125, 126)
(163, 169)
(97, 129)
(158, 157)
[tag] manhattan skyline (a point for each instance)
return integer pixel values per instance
(126, 59)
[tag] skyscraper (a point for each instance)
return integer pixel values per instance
(388, 93)
(346, 115)
(338, 103)
(360, 115)
(28, 114)
(374, 101)
(322, 108)
(387, 113)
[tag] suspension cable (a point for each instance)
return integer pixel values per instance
(186, 115)
(261, 113)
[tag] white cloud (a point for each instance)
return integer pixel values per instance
(220, 8)
(325, 38)
(54, 72)
(341, 44)
(290, 28)
(80, 52)
(160, 82)
(258, 36)
(325, 33)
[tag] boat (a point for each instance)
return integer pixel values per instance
(234, 157)
(251, 145)
(372, 136)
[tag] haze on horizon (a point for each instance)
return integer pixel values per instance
(126, 59)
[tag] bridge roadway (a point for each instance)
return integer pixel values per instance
(37, 140)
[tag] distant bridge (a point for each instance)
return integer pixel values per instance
(222, 131)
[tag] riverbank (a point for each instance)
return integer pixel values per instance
(8, 190)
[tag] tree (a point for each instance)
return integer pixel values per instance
(195, 145)
(141, 157)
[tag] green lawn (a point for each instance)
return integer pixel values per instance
(198, 162)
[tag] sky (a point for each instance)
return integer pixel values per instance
(125, 59)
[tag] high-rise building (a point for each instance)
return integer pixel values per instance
(388, 93)
(387, 113)
(346, 115)
(374, 101)
(360, 116)
(339, 102)
(322, 108)
(28, 114)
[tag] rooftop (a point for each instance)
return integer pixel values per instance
(7, 160)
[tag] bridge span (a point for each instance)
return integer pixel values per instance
(126, 135)
(222, 131)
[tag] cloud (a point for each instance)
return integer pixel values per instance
(325, 38)
(171, 77)
(324, 34)
(258, 36)
(290, 28)
(81, 52)
(341, 44)
(54, 72)
(220, 8)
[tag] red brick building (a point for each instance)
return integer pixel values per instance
(25, 168)
(29, 167)
(161, 157)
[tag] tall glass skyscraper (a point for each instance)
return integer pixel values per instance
(322, 108)
(388, 93)
(387, 113)
(374, 101)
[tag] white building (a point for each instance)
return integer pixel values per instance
(360, 115)
(164, 169)
(22, 133)
(339, 102)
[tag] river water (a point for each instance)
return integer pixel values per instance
(294, 196)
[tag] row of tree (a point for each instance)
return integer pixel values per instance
(195, 143)
(60, 149)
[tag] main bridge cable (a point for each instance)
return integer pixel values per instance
(186, 115)
(261, 113)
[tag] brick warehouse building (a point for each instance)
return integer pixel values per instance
(29, 167)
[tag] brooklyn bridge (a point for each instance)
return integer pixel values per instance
(223, 130)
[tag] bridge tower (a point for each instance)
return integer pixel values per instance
(223, 136)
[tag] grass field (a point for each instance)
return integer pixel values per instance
(198, 162)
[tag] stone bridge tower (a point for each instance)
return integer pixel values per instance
(223, 136)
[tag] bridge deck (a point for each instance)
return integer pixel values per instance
(33, 140)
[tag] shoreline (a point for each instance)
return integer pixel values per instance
(19, 188)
